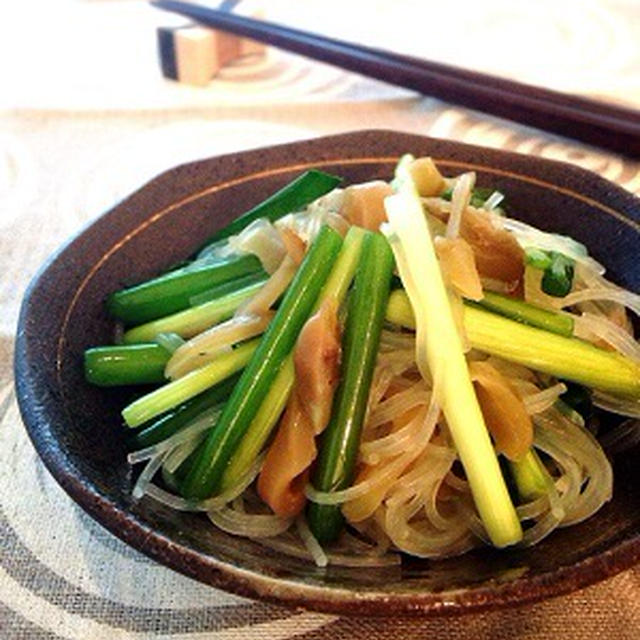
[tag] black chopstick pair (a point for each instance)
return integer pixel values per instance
(613, 127)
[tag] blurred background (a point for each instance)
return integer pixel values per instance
(86, 117)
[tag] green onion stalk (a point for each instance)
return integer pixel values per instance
(440, 352)
(275, 401)
(204, 478)
(338, 449)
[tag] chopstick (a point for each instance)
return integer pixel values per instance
(609, 126)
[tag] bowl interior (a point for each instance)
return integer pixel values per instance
(77, 428)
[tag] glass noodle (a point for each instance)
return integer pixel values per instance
(423, 481)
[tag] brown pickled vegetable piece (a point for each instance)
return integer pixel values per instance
(503, 410)
(294, 245)
(286, 467)
(317, 363)
(458, 266)
(498, 254)
(316, 359)
(363, 204)
(426, 177)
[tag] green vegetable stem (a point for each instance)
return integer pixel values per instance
(557, 278)
(172, 291)
(175, 393)
(560, 323)
(566, 358)
(339, 447)
(530, 476)
(205, 476)
(192, 321)
(293, 197)
(226, 288)
(275, 401)
(174, 421)
(125, 364)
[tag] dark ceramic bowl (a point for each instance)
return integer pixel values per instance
(76, 427)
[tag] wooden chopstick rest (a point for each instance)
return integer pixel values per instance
(192, 54)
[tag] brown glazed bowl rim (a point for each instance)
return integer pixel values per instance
(242, 581)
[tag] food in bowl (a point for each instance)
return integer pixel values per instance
(350, 373)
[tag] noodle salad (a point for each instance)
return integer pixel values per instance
(349, 373)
